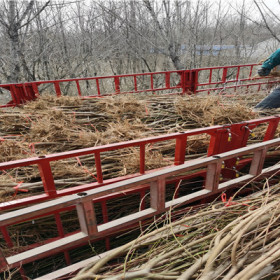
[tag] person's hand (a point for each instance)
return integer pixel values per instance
(263, 71)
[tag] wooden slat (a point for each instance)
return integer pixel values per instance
(44, 250)
(157, 193)
(258, 161)
(187, 198)
(87, 218)
(125, 221)
(213, 175)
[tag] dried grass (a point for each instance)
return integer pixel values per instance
(52, 124)
(237, 241)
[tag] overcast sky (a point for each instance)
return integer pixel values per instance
(272, 4)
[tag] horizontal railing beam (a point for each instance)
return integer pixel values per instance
(29, 212)
(127, 144)
(186, 81)
(157, 182)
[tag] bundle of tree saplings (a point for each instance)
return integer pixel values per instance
(232, 241)
(50, 125)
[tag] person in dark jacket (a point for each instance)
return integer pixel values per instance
(273, 99)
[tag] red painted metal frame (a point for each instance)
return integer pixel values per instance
(219, 142)
(90, 230)
(188, 82)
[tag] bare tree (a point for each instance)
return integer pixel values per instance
(14, 18)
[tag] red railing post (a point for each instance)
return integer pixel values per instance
(142, 159)
(78, 88)
(167, 80)
(271, 129)
(117, 84)
(180, 150)
(61, 234)
(239, 138)
(57, 89)
(15, 95)
(3, 261)
(35, 89)
(189, 81)
(213, 176)
(105, 220)
(157, 192)
(257, 162)
(224, 77)
(47, 178)
(217, 140)
(98, 168)
(98, 87)
(87, 219)
(7, 237)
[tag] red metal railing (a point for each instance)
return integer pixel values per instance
(157, 184)
(180, 82)
(223, 138)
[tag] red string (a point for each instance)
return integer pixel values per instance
(230, 202)
(17, 189)
(32, 147)
(147, 111)
(92, 126)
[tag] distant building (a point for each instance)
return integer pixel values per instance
(212, 50)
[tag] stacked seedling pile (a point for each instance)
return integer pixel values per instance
(238, 240)
(51, 125)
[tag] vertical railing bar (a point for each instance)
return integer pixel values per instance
(98, 168)
(25, 91)
(117, 84)
(61, 234)
(35, 89)
(78, 88)
(213, 175)
(142, 159)
(167, 80)
(47, 178)
(98, 87)
(271, 129)
(157, 193)
(87, 218)
(3, 261)
(224, 78)
(135, 82)
(7, 237)
(180, 150)
(210, 75)
(105, 220)
(13, 92)
(237, 73)
(82, 218)
(251, 70)
(57, 89)
(258, 161)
